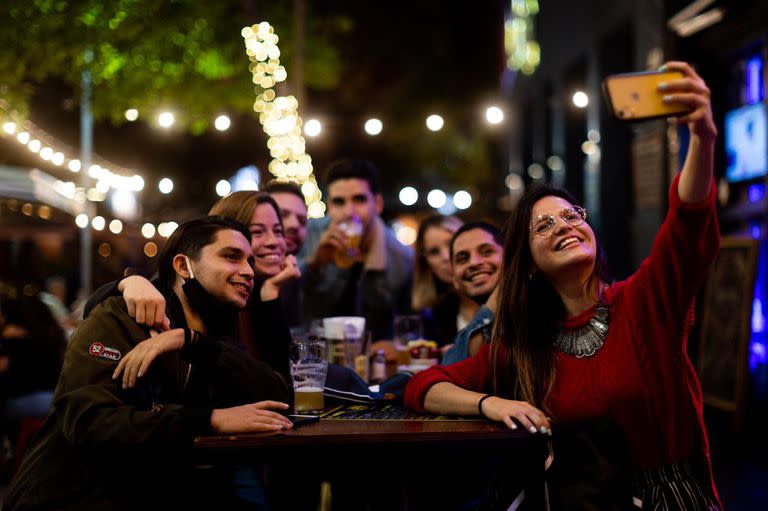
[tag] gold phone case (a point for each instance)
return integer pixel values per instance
(635, 96)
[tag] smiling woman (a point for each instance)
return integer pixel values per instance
(571, 348)
(260, 213)
(262, 326)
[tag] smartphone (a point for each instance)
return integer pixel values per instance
(303, 420)
(636, 97)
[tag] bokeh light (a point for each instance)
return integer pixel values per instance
(435, 122)
(116, 226)
(166, 119)
(98, 223)
(165, 185)
(373, 127)
(222, 123)
(462, 199)
(494, 115)
(148, 230)
(223, 188)
(436, 198)
(408, 195)
(580, 99)
(312, 128)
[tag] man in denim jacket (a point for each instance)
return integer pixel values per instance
(476, 255)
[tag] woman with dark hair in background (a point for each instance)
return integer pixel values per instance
(32, 348)
(570, 347)
(443, 311)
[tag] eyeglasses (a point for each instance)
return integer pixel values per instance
(544, 225)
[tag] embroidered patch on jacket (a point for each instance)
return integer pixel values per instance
(99, 350)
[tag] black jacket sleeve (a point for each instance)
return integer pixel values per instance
(238, 378)
(108, 290)
(232, 376)
(97, 412)
(265, 334)
(275, 335)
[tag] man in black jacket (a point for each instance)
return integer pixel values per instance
(127, 407)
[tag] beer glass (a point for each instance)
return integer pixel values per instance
(344, 335)
(347, 257)
(309, 366)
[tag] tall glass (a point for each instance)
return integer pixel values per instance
(347, 257)
(309, 366)
(407, 328)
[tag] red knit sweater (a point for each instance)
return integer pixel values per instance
(642, 377)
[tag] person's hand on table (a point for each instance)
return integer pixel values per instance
(136, 362)
(390, 352)
(250, 418)
(270, 289)
(508, 411)
(145, 303)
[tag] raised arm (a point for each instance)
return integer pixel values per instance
(696, 177)
(270, 289)
(662, 290)
(145, 303)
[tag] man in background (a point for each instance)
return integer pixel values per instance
(476, 256)
(293, 212)
(354, 264)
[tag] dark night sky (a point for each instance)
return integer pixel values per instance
(401, 61)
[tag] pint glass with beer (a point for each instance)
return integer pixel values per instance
(309, 365)
(348, 256)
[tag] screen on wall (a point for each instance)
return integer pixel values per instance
(746, 142)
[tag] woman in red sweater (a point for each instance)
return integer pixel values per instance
(571, 348)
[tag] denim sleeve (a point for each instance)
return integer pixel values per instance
(482, 319)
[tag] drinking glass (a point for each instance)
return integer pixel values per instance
(407, 328)
(347, 257)
(309, 366)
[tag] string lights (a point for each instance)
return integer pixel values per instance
(523, 52)
(279, 117)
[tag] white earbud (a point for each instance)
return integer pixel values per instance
(189, 267)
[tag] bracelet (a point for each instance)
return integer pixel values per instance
(480, 404)
(190, 338)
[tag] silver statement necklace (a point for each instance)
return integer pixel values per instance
(585, 341)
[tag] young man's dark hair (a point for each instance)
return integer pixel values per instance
(275, 186)
(349, 168)
(485, 226)
(189, 239)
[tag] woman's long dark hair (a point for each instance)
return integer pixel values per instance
(529, 312)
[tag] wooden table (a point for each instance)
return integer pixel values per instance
(395, 464)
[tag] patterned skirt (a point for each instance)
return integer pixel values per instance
(673, 487)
